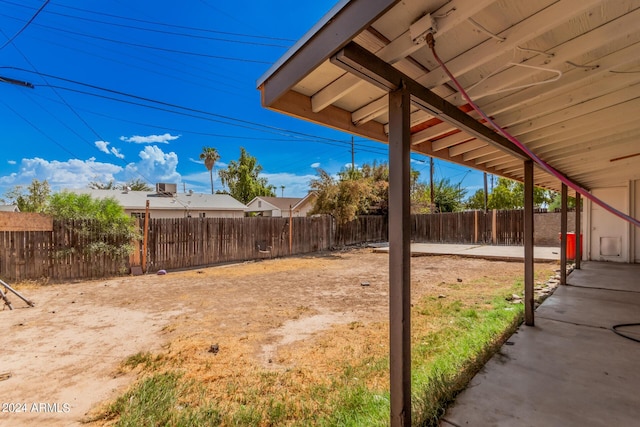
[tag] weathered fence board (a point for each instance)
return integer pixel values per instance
(189, 242)
(62, 254)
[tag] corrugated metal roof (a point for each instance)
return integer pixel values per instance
(562, 76)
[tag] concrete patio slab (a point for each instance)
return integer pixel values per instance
(570, 369)
(510, 253)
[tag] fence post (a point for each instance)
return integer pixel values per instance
(475, 226)
(146, 236)
(494, 227)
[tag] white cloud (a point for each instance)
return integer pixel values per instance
(73, 173)
(155, 166)
(116, 152)
(150, 139)
(315, 165)
(103, 146)
(200, 183)
(12, 162)
(295, 185)
(218, 165)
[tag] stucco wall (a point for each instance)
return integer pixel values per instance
(609, 235)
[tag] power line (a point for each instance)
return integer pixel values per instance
(184, 27)
(162, 49)
(173, 33)
(241, 123)
(24, 27)
(66, 104)
(256, 126)
(185, 70)
(38, 129)
(246, 123)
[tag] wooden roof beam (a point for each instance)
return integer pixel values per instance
(361, 62)
(338, 27)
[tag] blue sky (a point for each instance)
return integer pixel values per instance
(134, 90)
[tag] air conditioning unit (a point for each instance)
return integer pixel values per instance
(165, 188)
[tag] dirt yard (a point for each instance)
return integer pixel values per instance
(64, 355)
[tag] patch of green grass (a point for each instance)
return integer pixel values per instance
(155, 401)
(146, 359)
(448, 358)
(452, 338)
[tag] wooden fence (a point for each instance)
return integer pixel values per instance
(72, 250)
(62, 254)
(190, 242)
(365, 229)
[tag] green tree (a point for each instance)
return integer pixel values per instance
(476, 201)
(108, 228)
(210, 156)
(362, 191)
(344, 198)
(138, 185)
(242, 178)
(447, 196)
(508, 194)
(97, 185)
(133, 185)
(556, 201)
(32, 198)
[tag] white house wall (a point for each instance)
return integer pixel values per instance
(607, 236)
(160, 213)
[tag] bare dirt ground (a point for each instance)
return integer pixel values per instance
(64, 354)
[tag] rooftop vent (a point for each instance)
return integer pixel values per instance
(166, 189)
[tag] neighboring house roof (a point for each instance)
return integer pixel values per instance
(9, 208)
(280, 203)
(137, 200)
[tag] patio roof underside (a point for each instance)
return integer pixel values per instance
(561, 76)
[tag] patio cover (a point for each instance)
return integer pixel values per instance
(561, 76)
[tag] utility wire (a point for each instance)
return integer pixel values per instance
(173, 33)
(184, 27)
(298, 136)
(186, 70)
(162, 49)
(38, 129)
(246, 123)
(24, 27)
(43, 76)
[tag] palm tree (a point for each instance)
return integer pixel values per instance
(210, 156)
(282, 188)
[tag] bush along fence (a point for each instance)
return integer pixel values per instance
(72, 251)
